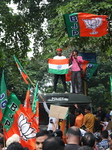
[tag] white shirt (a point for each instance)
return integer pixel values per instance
(111, 112)
(59, 57)
(53, 119)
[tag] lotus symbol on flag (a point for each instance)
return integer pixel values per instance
(93, 24)
(26, 131)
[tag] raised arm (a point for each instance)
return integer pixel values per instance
(45, 105)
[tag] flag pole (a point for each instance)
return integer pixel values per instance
(31, 81)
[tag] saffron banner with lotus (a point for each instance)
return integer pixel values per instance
(17, 121)
(86, 25)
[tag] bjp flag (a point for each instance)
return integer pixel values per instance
(86, 25)
(17, 121)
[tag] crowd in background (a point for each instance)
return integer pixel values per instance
(88, 131)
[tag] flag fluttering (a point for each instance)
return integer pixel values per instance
(65, 125)
(16, 121)
(86, 25)
(35, 107)
(3, 96)
(23, 73)
(27, 103)
(89, 68)
(58, 66)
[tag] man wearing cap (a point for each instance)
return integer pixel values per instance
(57, 76)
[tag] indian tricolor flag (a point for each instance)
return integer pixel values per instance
(58, 66)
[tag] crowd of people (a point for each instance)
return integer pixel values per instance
(87, 131)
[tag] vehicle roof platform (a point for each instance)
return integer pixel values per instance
(65, 98)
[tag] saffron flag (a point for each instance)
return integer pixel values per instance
(16, 121)
(65, 125)
(68, 75)
(83, 66)
(35, 107)
(86, 25)
(3, 96)
(23, 73)
(111, 86)
(58, 66)
(27, 105)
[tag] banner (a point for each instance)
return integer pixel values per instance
(86, 25)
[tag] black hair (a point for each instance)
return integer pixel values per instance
(88, 139)
(42, 133)
(88, 108)
(72, 109)
(78, 110)
(74, 131)
(15, 146)
(85, 148)
(53, 143)
(104, 134)
(75, 51)
(58, 133)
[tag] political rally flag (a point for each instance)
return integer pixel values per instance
(65, 125)
(35, 107)
(3, 96)
(86, 25)
(83, 67)
(16, 121)
(58, 66)
(90, 70)
(27, 104)
(23, 73)
(68, 75)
